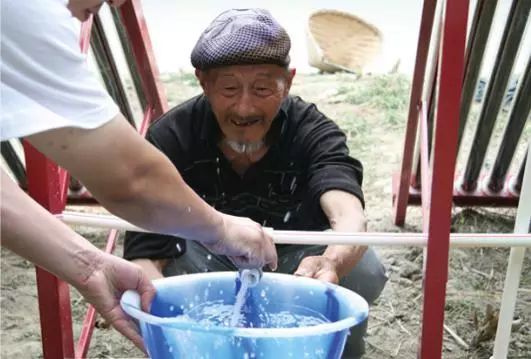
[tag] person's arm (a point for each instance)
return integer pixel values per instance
(345, 214)
(131, 178)
(334, 196)
(152, 251)
(135, 181)
(31, 232)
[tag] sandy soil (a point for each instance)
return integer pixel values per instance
(375, 131)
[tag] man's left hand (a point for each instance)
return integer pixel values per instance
(318, 267)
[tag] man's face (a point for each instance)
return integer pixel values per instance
(246, 98)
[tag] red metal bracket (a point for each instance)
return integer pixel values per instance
(135, 25)
(400, 200)
(47, 184)
(450, 82)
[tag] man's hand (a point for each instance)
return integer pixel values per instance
(111, 277)
(345, 213)
(245, 243)
(318, 267)
(152, 268)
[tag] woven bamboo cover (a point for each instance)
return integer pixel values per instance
(338, 40)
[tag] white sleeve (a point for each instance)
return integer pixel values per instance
(45, 79)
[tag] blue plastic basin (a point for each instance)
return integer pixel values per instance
(166, 336)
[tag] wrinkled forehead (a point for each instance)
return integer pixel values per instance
(248, 72)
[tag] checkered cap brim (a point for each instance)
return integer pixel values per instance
(242, 37)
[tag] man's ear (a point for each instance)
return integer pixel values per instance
(201, 77)
(289, 78)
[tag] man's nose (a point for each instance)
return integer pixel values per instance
(245, 105)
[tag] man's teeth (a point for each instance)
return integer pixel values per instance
(244, 123)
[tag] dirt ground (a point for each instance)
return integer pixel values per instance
(372, 111)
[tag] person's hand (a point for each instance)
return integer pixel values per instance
(152, 268)
(318, 267)
(103, 288)
(245, 243)
(81, 9)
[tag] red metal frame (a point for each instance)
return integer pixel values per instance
(404, 184)
(424, 165)
(48, 185)
(135, 24)
(156, 101)
(441, 178)
(84, 38)
(508, 197)
(400, 200)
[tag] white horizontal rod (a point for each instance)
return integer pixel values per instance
(329, 237)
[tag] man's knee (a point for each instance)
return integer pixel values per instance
(367, 278)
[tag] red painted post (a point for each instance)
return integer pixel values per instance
(425, 171)
(135, 25)
(401, 190)
(451, 71)
(47, 184)
(84, 38)
(146, 121)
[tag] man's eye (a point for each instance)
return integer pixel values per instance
(263, 90)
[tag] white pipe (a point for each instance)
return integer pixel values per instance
(514, 268)
(330, 237)
(98, 221)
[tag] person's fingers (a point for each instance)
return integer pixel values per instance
(128, 328)
(147, 292)
(328, 276)
(246, 262)
(306, 268)
(305, 271)
(318, 268)
(125, 325)
(271, 257)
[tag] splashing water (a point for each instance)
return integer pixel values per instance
(256, 315)
(261, 313)
(240, 300)
(249, 278)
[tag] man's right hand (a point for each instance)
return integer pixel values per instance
(245, 243)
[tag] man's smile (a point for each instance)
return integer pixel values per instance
(245, 123)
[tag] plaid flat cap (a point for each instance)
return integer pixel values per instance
(242, 37)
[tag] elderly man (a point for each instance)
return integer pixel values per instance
(250, 149)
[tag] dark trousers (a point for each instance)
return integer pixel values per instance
(367, 279)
